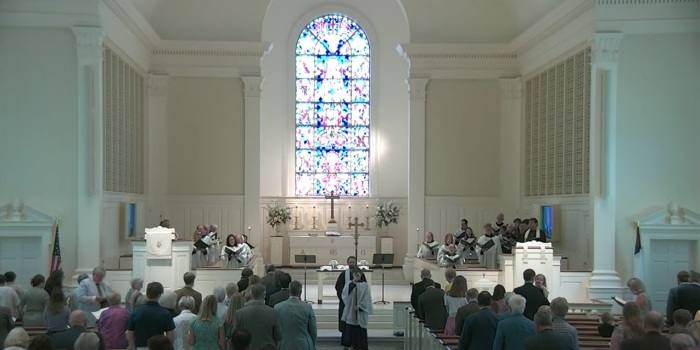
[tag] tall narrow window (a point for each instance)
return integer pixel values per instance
(332, 108)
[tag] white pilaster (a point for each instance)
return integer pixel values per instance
(157, 165)
(511, 122)
(416, 171)
(605, 281)
(252, 88)
(90, 146)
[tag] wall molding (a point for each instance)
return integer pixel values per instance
(643, 2)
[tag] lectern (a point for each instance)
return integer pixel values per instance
(305, 259)
(161, 258)
(382, 259)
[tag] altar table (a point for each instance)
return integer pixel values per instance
(326, 272)
(331, 248)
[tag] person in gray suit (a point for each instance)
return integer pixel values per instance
(259, 319)
(283, 293)
(431, 307)
(298, 322)
(92, 294)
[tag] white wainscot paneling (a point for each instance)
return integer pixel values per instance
(186, 212)
(443, 214)
(574, 286)
(120, 281)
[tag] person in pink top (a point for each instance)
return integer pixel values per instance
(112, 323)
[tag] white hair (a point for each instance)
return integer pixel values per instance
(136, 281)
(17, 337)
(219, 293)
(682, 341)
(517, 303)
(168, 300)
(186, 303)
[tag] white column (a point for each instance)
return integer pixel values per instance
(90, 147)
(416, 171)
(252, 86)
(605, 281)
(157, 164)
(510, 139)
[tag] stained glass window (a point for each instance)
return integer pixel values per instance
(332, 108)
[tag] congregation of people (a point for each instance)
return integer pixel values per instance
(526, 319)
(464, 246)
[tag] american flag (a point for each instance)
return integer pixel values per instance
(56, 257)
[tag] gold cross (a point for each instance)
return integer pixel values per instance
(356, 234)
(332, 197)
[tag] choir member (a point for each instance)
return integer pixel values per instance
(429, 248)
(488, 247)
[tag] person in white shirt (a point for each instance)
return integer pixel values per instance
(9, 298)
(245, 254)
(182, 322)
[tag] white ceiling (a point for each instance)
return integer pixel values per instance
(430, 21)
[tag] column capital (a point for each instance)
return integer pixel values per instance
(89, 44)
(511, 88)
(416, 87)
(605, 47)
(252, 86)
(158, 84)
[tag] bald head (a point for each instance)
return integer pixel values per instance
(77, 318)
(653, 321)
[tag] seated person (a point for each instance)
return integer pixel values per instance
(607, 325)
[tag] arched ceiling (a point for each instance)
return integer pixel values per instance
(430, 21)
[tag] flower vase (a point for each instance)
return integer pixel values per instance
(384, 231)
(278, 229)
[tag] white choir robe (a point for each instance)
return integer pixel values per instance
(363, 295)
(198, 259)
(213, 253)
(245, 254)
(490, 257)
(426, 250)
(444, 255)
(225, 262)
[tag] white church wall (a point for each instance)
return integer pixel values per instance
(114, 238)
(462, 145)
(657, 137)
(205, 131)
(284, 21)
(38, 126)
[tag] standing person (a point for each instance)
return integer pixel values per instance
(341, 284)
(56, 315)
(92, 294)
(189, 290)
(454, 299)
(541, 283)
(236, 303)
(297, 321)
(207, 330)
(258, 319)
(133, 295)
(488, 247)
(182, 323)
(112, 323)
(546, 338)
(54, 281)
(479, 329)
(512, 330)
(683, 278)
(73, 297)
(431, 307)
(420, 287)
(533, 295)
(199, 255)
(689, 295)
(534, 233)
(429, 248)
(629, 328)
(637, 288)
(6, 323)
(34, 300)
(228, 255)
(149, 320)
(652, 339)
(9, 298)
(358, 301)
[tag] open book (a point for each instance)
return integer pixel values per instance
(487, 245)
(201, 244)
(453, 258)
(99, 312)
(619, 301)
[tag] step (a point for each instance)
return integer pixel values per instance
(382, 319)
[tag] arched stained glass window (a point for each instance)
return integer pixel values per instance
(332, 108)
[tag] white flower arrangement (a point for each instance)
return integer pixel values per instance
(277, 214)
(387, 213)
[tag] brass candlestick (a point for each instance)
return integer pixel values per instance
(296, 222)
(313, 224)
(367, 226)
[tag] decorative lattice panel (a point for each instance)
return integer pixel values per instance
(557, 123)
(124, 106)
